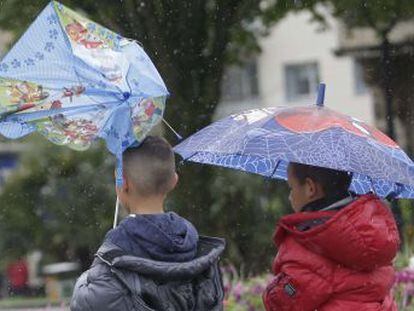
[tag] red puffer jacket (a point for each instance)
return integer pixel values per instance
(342, 263)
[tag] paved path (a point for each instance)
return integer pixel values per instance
(39, 309)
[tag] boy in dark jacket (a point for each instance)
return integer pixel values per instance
(153, 260)
(335, 253)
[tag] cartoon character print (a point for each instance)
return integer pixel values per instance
(97, 53)
(80, 130)
(58, 124)
(82, 36)
(151, 109)
(77, 133)
(252, 116)
(23, 93)
(108, 66)
(23, 96)
(151, 112)
(73, 91)
(76, 90)
(310, 120)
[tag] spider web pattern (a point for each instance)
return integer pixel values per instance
(254, 142)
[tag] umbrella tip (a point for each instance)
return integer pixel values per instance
(321, 95)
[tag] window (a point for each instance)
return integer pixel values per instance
(240, 82)
(359, 81)
(301, 80)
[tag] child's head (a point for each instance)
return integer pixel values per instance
(149, 171)
(309, 183)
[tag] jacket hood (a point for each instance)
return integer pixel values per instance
(363, 235)
(208, 252)
(162, 237)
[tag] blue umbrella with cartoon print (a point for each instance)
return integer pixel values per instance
(74, 81)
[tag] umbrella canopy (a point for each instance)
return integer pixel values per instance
(264, 141)
(74, 81)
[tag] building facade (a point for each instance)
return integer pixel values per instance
(295, 57)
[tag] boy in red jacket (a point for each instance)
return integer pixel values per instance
(335, 253)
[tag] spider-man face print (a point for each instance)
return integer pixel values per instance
(314, 119)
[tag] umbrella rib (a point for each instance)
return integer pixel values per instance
(172, 129)
(275, 169)
(52, 112)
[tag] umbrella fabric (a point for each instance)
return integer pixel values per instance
(264, 141)
(74, 81)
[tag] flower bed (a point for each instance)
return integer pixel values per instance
(404, 289)
(243, 294)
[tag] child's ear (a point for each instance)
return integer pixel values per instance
(174, 181)
(125, 185)
(311, 188)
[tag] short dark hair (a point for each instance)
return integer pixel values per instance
(150, 166)
(333, 182)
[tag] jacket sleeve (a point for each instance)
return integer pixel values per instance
(296, 288)
(98, 289)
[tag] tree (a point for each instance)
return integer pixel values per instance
(60, 201)
(245, 210)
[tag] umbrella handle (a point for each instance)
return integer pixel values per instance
(321, 95)
(116, 213)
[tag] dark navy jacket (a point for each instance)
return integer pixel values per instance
(153, 262)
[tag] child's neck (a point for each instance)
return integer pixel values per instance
(147, 205)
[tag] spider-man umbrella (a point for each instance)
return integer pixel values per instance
(264, 141)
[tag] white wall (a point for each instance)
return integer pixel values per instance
(297, 40)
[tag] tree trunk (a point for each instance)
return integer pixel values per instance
(386, 79)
